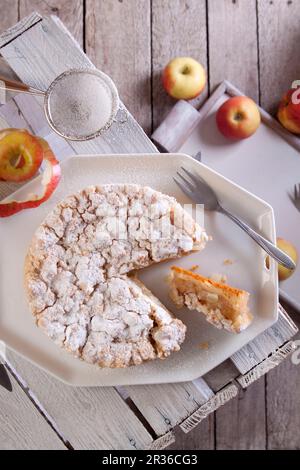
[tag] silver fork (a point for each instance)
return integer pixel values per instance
(197, 189)
(296, 198)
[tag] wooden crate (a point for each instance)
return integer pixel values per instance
(105, 418)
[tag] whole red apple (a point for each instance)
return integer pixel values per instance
(184, 78)
(289, 110)
(238, 117)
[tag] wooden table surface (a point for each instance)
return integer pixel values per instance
(255, 45)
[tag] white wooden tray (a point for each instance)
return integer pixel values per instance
(249, 272)
(267, 164)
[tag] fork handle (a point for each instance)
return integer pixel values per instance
(268, 246)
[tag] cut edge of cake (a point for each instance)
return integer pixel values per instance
(223, 306)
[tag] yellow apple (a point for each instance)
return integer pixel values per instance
(238, 118)
(184, 78)
(290, 250)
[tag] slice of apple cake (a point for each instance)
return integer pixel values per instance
(223, 306)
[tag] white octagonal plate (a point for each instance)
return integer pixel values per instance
(247, 270)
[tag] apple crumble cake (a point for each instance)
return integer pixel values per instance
(77, 273)
(223, 306)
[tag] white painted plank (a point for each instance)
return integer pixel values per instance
(11, 114)
(28, 56)
(272, 361)
(89, 418)
(32, 111)
(14, 31)
(22, 427)
(209, 407)
(164, 406)
(266, 343)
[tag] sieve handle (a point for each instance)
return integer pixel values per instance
(12, 85)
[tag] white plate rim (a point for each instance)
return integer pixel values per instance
(67, 162)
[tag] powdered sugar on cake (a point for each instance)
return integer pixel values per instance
(77, 273)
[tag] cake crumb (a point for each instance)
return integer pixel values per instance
(204, 345)
(217, 277)
(194, 267)
(227, 262)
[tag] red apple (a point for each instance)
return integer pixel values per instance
(289, 110)
(238, 117)
(184, 78)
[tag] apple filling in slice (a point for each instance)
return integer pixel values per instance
(223, 306)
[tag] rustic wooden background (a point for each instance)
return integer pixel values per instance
(255, 45)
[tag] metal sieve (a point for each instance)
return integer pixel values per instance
(80, 104)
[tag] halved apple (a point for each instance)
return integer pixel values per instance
(21, 155)
(50, 180)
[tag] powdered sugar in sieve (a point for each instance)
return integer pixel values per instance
(81, 103)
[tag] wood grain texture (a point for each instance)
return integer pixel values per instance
(178, 29)
(283, 400)
(21, 425)
(264, 344)
(233, 44)
(241, 422)
(89, 418)
(69, 11)
(9, 14)
(221, 375)
(118, 42)
(214, 403)
(279, 38)
(283, 405)
(200, 438)
(272, 361)
(166, 405)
